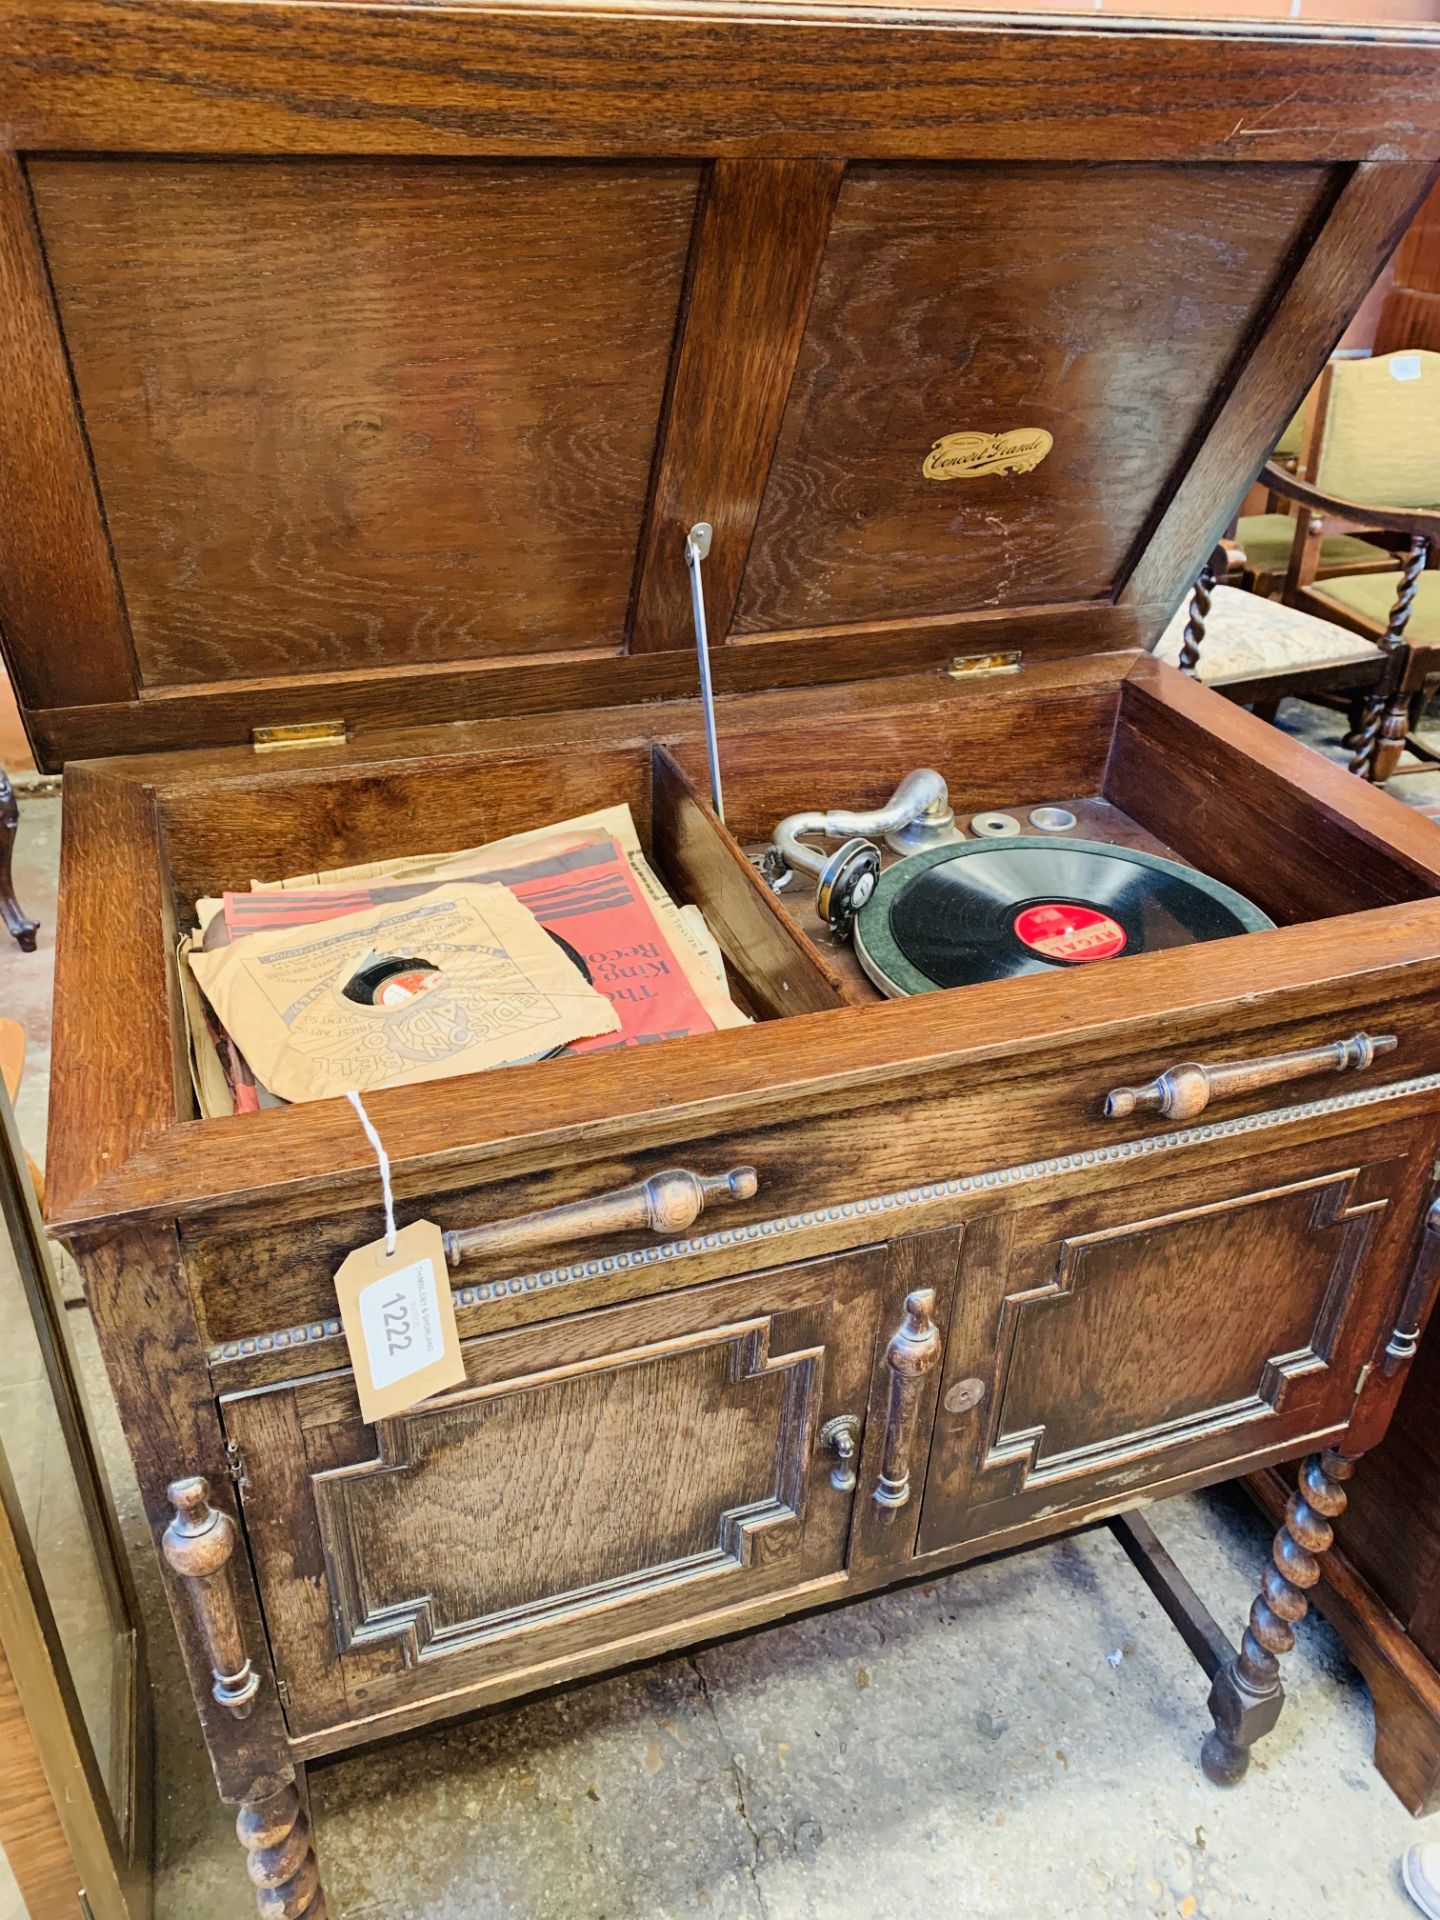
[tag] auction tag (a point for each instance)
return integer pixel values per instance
(399, 1321)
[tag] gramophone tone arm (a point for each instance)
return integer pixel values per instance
(922, 794)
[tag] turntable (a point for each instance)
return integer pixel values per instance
(952, 911)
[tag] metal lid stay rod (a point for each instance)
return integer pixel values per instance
(697, 547)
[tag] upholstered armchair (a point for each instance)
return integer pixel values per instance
(1372, 461)
(1368, 638)
(1268, 539)
(1371, 453)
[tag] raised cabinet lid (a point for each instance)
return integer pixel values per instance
(367, 366)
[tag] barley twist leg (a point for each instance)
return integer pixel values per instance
(1364, 741)
(1379, 741)
(280, 1857)
(1195, 622)
(1246, 1696)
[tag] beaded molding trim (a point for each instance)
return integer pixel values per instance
(746, 1235)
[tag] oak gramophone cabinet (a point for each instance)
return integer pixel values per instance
(363, 371)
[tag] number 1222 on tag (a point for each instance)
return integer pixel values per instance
(399, 1321)
(401, 1324)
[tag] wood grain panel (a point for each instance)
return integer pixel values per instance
(758, 248)
(110, 859)
(189, 768)
(223, 713)
(1084, 1378)
(367, 415)
(1025, 1060)
(694, 1451)
(1263, 813)
(1133, 1343)
(987, 299)
(784, 972)
(1271, 377)
(595, 1477)
(818, 1156)
(340, 819)
(30, 1831)
(290, 1560)
(720, 78)
(155, 1359)
(61, 615)
(989, 757)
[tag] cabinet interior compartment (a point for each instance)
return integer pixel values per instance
(1162, 761)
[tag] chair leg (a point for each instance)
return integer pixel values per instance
(1394, 728)
(1387, 718)
(1267, 709)
(19, 923)
(1195, 623)
(1364, 739)
(1355, 714)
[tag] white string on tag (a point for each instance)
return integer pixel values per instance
(380, 1154)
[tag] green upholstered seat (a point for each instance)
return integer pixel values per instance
(1287, 447)
(1247, 637)
(1372, 595)
(1267, 538)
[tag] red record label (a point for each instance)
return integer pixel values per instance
(1063, 932)
(401, 987)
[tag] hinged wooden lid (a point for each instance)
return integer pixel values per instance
(369, 364)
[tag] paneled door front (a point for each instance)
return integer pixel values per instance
(1179, 1326)
(596, 1481)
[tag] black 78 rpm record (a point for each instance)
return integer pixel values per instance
(994, 909)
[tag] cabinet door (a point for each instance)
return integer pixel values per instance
(597, 1482)
(1162, 1330)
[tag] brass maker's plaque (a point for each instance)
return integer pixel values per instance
(965, 456)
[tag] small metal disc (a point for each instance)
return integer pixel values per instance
(1052, 819)
(994, 826)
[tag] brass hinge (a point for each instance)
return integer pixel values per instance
(966, 666)
(235, 1463)
(282, 1688)
(1361, 1378)
(298, 733)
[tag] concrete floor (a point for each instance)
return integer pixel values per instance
(1014, 1741)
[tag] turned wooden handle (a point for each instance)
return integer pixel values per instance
(914, 1350)
(197, 1545)
(665, 1203)
(1400, 1348)
(1183, 1091)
